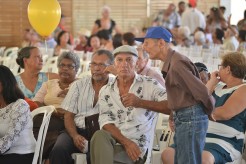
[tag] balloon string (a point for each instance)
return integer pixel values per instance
(46, 49)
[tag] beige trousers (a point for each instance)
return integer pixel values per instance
(104, 150)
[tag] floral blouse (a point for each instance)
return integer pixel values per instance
(16, 135)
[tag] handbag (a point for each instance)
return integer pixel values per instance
(91, 125)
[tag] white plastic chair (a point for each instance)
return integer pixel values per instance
(240, 160)
(9, 51)
(80, 158)
(47, 111)
(152, 137)
(2, 50)
(51, 65)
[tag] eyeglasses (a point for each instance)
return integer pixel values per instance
(69, 66)
(100, 65)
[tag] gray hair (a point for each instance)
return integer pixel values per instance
(184, 31)
(107, 53)
(69, 55)
(104, 8)
(199, 36)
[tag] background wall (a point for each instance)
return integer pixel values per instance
(82, 14)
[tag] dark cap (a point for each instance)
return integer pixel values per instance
(157, 33)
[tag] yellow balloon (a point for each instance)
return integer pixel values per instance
(44, 16)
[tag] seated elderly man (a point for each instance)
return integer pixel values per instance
(125, 118)
(81, 101)
(143, 67)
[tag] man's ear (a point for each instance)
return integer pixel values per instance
(161, 43)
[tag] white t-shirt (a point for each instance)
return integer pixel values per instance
(193, 18)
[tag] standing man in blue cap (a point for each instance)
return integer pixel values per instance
(188, 98)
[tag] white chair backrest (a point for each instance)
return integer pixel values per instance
(47, 111)
(51, 65)
(85, 66)
(10, 51)
(152, 137)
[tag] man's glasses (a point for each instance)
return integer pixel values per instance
(69, 66)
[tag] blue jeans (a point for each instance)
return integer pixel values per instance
(191, 124)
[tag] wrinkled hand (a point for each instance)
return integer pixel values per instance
(111, 69)
(63, 93)
(132, 150)
(130, 99)
(79, 142)
(214, 78)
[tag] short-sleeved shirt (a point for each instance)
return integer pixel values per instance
(134, 123)
(42, 77)
(48, 93)
(183, 84)
(80, 99)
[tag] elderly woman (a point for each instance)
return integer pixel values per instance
(53, 92)
(31, 80)
(224, 140)
(17, 143)
(105, 23)
(184, 36)
(200, 39)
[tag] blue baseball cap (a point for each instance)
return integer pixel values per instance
(157, 33)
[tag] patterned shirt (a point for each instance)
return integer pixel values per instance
(134, 123)
(79, 100)
(148, 71)
(42, 77)
(16, 135)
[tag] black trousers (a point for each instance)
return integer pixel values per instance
(16, 158)
(64, 148)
